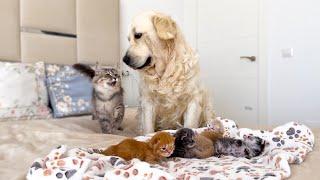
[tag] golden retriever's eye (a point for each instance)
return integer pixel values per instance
(137, 35)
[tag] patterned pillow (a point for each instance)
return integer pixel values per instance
(23, 94)
(70, 92)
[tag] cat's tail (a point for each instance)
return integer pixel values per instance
(84, 69)
(212, 135)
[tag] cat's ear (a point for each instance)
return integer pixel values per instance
(84, 69)
(176, 135)
(155, 141)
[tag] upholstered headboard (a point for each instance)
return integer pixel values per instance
(60, 31)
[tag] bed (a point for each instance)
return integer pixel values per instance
(66, 32)
(22, 142)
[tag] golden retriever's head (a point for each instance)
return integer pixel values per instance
(150, 37)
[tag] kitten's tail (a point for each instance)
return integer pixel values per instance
(84, 69)
(212, 135)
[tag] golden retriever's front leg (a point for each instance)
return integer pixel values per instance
(192, 115)
(147, 116)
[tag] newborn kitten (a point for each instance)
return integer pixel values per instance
(107, 98)
(161, 145)
(190, 145)
(250, 146)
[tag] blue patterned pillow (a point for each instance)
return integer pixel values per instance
(69, 91)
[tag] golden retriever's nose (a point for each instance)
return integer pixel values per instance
(126, 59)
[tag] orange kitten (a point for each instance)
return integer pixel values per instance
(161, 145)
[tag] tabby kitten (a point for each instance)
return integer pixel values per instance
(210, 143)
(190, 145)
(107, 98)
(249, 147)
(160, 146)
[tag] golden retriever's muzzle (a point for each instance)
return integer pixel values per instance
(130, 62)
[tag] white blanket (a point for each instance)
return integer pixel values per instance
(288, 144)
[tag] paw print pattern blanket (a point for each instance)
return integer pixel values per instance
(287, 144)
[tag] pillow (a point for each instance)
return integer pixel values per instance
(23, 94)
(70, 92)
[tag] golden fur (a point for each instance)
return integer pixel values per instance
(171, 94)
(160, 146)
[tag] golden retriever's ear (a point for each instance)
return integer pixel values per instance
(165, 27)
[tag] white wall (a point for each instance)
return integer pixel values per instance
(294, 83)
(130, 8)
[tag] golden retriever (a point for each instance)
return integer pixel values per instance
(171, 94)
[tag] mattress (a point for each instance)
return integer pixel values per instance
(23, 141)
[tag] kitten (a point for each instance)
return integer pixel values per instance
(160, 146)
(250, 146)
(190, 145)
(107, 98)
(209, 143)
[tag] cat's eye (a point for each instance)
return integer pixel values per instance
(163, 149)
(137, 35)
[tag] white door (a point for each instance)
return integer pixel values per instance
(228, 30)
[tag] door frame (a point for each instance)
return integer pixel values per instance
(191, 33)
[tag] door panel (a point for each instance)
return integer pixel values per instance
(228, 30)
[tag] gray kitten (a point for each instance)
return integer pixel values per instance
(107, 98)
(188, 145)
(250, 146)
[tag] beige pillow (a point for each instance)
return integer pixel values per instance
(23, 94)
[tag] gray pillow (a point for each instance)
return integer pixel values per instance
(70, 92)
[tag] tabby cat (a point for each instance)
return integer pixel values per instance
(107, 98)
(160, 146)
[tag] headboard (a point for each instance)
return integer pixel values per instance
(60, 31)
